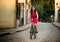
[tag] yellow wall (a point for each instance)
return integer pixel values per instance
(7, 13)
(56, 9)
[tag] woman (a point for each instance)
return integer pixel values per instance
(34, 21)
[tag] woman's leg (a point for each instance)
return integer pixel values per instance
(31, 31)
(34, 35)
(31, 28)
(35, 29)
(34, 26)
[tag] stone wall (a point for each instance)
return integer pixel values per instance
(7, 13)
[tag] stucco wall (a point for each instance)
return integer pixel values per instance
(57, 6)
(7, 13)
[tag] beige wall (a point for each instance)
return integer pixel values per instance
(29, 10)
(56, 9)
(7, 13)
(27, 7)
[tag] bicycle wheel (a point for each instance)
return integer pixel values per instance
(34, 35)
(31, 34)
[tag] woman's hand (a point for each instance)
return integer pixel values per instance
(31, 19)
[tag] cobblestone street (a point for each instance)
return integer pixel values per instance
(47, 32)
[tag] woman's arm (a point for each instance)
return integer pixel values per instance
(37, 14)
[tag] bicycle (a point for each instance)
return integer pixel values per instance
(33, 31)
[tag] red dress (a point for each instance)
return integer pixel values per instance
(34, 19)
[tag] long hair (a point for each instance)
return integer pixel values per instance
(32, 11)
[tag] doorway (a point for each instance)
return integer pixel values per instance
(59, 15)
(19, 13)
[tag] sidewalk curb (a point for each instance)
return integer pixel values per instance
(56, 26)
(14, 31)
(22, 30)
(25, 27)
(3, 34)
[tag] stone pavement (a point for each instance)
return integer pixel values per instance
(47, 32)
(14, 30)
(56, 24)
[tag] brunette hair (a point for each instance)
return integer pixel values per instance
(32, 10)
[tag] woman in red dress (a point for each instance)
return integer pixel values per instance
(34, 16)
(34, 21)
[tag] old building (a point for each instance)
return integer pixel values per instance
(8, 12)
(24, 11)
(57, 10)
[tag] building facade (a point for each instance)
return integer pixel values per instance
(25, 6)
(8, 12)
(57, 10)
